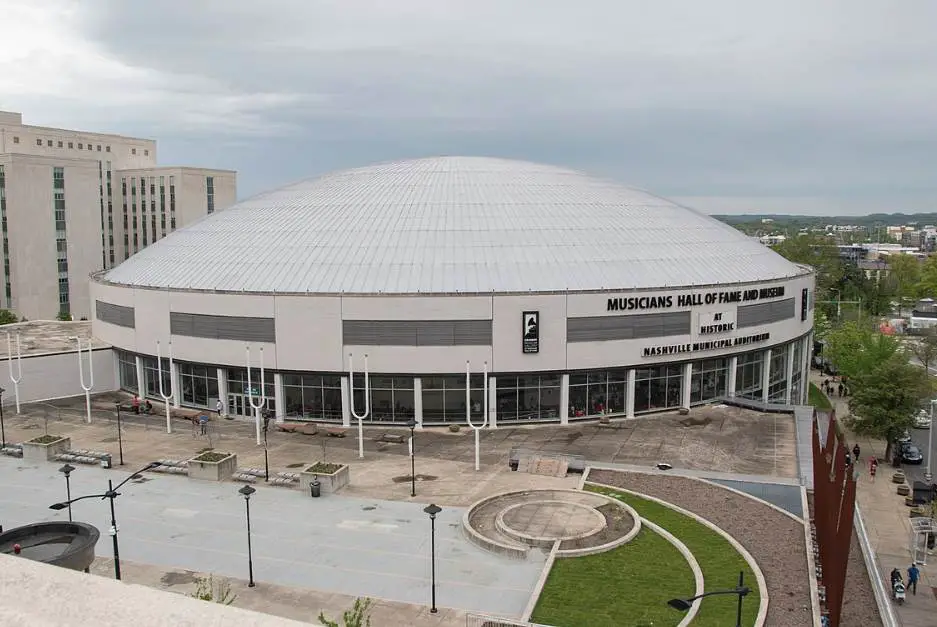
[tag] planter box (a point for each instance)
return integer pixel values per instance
(35, 452)
(329, 482)
(220, 470)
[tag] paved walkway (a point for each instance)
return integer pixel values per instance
(889, 529)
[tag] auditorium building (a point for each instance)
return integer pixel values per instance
(577, 297)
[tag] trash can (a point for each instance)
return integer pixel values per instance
(106, 461)
(315, 489)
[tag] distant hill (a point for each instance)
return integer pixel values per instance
(871, 220)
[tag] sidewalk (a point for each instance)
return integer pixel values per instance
(889, 528)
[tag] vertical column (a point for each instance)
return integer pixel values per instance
(733, 369)
(687, 385)
(141, 377)
(629, 402)
(789, 372)
(564, 399)
(418, 401)
(176, 384)
(765, 375)
(222, 376)
(493, 402)
(279, 397)
(805, 368)
(346, 403)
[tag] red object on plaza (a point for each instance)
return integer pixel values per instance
(17, 548)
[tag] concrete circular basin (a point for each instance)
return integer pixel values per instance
(66, 544)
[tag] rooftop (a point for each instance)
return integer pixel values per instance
(45, 336)
(452, 225)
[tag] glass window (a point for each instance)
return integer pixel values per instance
(748, 375)
(152, 372)
(797, 389)
(709, 381)
(531, 398)
(313, 397)
(598, 392)
(239, 384)
(777, 378)
(658, 388)
(127, 369)
(444, 399)
(199, 385)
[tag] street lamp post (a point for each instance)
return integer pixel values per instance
(67, 471)
(111, 494)
(367, 400)
(266, 459)
(19, 368)
(3, 431)
(930, 443)
(412, 424)
(81, 374)
(741, 590)
(120, 437)
(246, 492)
(432, 509)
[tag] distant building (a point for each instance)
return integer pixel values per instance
(62, 219)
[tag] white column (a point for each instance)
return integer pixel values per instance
(346, 403)
(564, 399)
(790, 372)
(765, 375)
(492, 402)
(279, 397)
(176, 384)
(141, 378)
(805, 369)
(629, 402)
(733, 368)
(418, 401)
(222, 375)
(687, 385)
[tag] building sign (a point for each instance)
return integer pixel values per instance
(694, 347)
(716, 322)
(530, 331)
(642, 303)
(804, 304)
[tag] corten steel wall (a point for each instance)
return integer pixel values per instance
(834, 505)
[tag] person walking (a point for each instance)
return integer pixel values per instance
(855, 452)
(203, 424)
(873, 467)
(135, 404)
(913, 575)
(219, 408)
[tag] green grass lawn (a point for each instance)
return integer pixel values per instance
(625, 587)
(818, 399)
(718, 560)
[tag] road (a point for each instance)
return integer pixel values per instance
(919, 437)
(359, 547)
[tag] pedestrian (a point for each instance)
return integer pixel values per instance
(913, 575)
(840, 390)
(219, 408)
(848, 459)
(855, 452)
(203, 424)
(873, 467)
(135, 404)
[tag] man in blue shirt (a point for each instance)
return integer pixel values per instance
(913, 575)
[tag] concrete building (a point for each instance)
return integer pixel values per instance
(580, 298)
(63, 219)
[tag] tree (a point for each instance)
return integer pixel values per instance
(207, 589)
(924, 348)
(358, 616)
(64, 316)
(927, 288)
(884, 400)
(7, 317)
(904, 275)
(857, 350)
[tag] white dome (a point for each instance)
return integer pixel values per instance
(452, 225)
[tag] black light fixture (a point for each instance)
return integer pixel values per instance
(246, 492)
(412, 425)
(266, 459)
(741, 590)
(3, 431)
(120, 437)
(111, 494)
(432, 509)
(67, 471)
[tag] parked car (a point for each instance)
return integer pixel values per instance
(922, 419)
(911, 454)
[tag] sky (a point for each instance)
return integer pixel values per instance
(730, 106)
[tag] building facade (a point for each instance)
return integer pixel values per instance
(577, 297)
(62, 206)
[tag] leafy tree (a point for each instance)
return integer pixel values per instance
(821, 325)
(924, 348)
(207, 589)
(819, 252)
(883, 400)
(857, 350)
(358, 616)
(64, 316)
(7, 317)
(904, 275)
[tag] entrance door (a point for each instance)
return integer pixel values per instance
(238, 405)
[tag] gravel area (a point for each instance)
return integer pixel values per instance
(775, 540)
(618, 523)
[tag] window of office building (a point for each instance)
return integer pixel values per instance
(529, 397)
(172, 203)
(58, 190)
(127, 371)
(210, 193)
(777, 377)
(313, 397)
(597, 392)
(199, 384)
(153, 370)
(709, 381)
(391, 398)
(748, 375)
(241, 388)
(797, 389)
(657, 388)
(444, 398)
(4, 231)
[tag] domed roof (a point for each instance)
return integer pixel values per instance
(452, 225)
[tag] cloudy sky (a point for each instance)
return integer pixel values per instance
(796, 106)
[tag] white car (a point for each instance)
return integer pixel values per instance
(922, 419)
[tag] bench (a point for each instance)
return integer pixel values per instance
(305, 428)
(575, 463)
(335, 432)
(395, 438)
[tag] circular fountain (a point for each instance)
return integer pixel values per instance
(66, 544)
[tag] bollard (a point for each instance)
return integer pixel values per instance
(315, 488)
(106, 461)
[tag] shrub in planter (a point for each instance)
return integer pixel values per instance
(213, 466)
(455, 428)
(331, 477)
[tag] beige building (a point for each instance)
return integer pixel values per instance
(73, 203)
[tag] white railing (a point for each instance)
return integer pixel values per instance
(882, 598)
